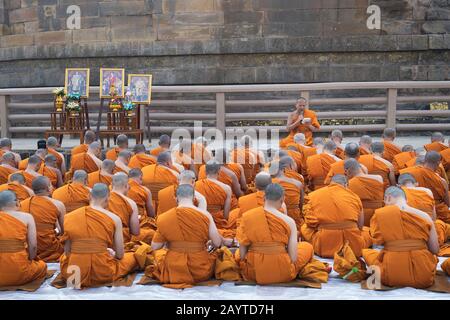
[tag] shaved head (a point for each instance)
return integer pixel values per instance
(274, 192)
(5, 143)
(125, 155)
(262, 180)
(420, 160)
(337, 134)
(406, 178)
(186, 177)
(8, 157)
(437, 137)
(394, 192)
(389, 133)
(318, 141)
(185, 191)
(40, 185)
(80, 176)
(212, 167)
(34, 160)
(50, 159)
(164, 140)
(139, 148)
(100, 191)
(286, 162)
(17, 177)
(52, 142)
(352, 167)
(377, 147)
(120, 180)
(8, 199)
(340, 179)
(89, 137)
(352, 150)
(164, 157)
(330, 146)
(407, 148)
(365, 140)
(95, 147)
(135, 173)
(299, 137)
(433, 159)
(108, 165)
(122, 141)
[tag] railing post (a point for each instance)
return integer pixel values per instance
(305, 94)
(391, 119)
(4, 123)
(220, 112)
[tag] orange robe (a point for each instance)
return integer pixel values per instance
(113, 153)
(156, 173)
(420, 200)
(187, 261)
(73, 195)
(224, 178)
(82, 148)
(139, 194)
(318, 167)
(23, 164)
(141, 160)
(97, 177)
(292, 200)
(16, 267)
(5, 173)
(18, 189)
(375, 166)
(335, 169)
(306, 153)
(28, 178)
(400, 160)
(156, 151)
(331, 219)
(97, 266)
(167, 199)
(371, 193)
(302, 129)
(446, 161)
(298, 158)
(120, 207)
(249, 160)
(363, 152)
(390, 150)
(58, 156)
(435, 146)
(83, 161)
(245, 203)
(45, 214)
(340, 153)
(50, 174)
(413, 268)
(264, 232)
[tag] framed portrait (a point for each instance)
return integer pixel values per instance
(77, 81)
(112, 77)
(140, 87)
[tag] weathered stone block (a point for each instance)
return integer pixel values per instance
(19, 40)
(52, 37)
(188, 6)
(123, 8)
(22, 15)
(94, 34)
(433, 27)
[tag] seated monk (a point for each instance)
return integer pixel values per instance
(16, 184)
(31, 171)
(163, 145)
(48, 214)
(368, 187)
(141, 158)
(75, 194)
(337, 136)
(88, 161)
(18, 244)
(334, 215)
(351, 152)
(7, 166)
(402, 158)
(167, 197)
(6, 146)
(94, 242)
(445, 154)
(420, 160)
(142, 196)
(52, 145)
(185, 231)
(89, 137)
(217, 194)
(268, 248)
(41, 153)
(250, 159)
(182, 156)
(390, 149)
(427, 177)
(437, 143)
(410, 243)
(305, 150)
(298, 158)
(122, 145)
(365, 145)
(293, 190)
(125, 208)
(319, 165)
(375, 164)
(104, 175)
(123, 159)
(51, 171)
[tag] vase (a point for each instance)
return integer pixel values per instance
(130, 113)
(59, 103)
(74, 113)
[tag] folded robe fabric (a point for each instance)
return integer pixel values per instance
(348, 266)
(226, 267)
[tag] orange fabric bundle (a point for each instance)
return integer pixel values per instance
(226, 267)
(348, 266)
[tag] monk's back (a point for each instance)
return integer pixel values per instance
(419, 199)
(119, 206)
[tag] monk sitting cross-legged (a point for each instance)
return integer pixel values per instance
(410, 243)
(375, 164)
(268, 248)
(94, 243)
(365, 145)
(31, 171)
(319, 165)
(7, 166)
(17, 244)
(75, 194)
(390, 149)
(17, 185)
(250, 158)
(167, 197)
(368, 187)
(445, 154)
(185, 231)
(48, 214)
(437, 143)
(163, 145)
(336, 136)
(334, 215)
(305, 150)
(88, 161)
(125, 208)
(351, 152)
(52, 145)
(89, 137)
(123, 159)
(141, 158)
(122, 145)
(51, 171)
(104, 175)
(401, 159)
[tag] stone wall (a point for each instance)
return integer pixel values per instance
(225, 41)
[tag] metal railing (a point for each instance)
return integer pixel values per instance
(14, 112)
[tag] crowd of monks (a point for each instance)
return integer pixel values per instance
(184, 214)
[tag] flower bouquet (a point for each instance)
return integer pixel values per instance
(59, 98)
(73, 107)
(129, 107)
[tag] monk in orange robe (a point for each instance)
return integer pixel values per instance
(445, 154)
(375, 164)
(104, 175)
(305, 151)
(163, 145)
(184, 231)
(368, 187)
(125, 208)
(41, 153)
(400, 160)
(17, 244)
(250, 159)
(89, 137)
(269, 251)
(141, 158)
(122, 161)
(437, 143)
(319, 165)
(88, 161)
(427, 177)
(337, 136)
(51, 171)
(167, 197)
(122, 145)
(7, 166)
(365, 145)
(334, 215)
(16, 184)
(390, 149)
(183, 156)
(31, 172)
(298, 158)
(52, 145)
(420, 160)
(48, 214)
(6, 146)
(410, 243)
(351, 152)
(75, 194)
(94, 242)
(302, 120)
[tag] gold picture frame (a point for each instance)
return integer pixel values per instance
(119, 82)
(145, 88)
(82, 84)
